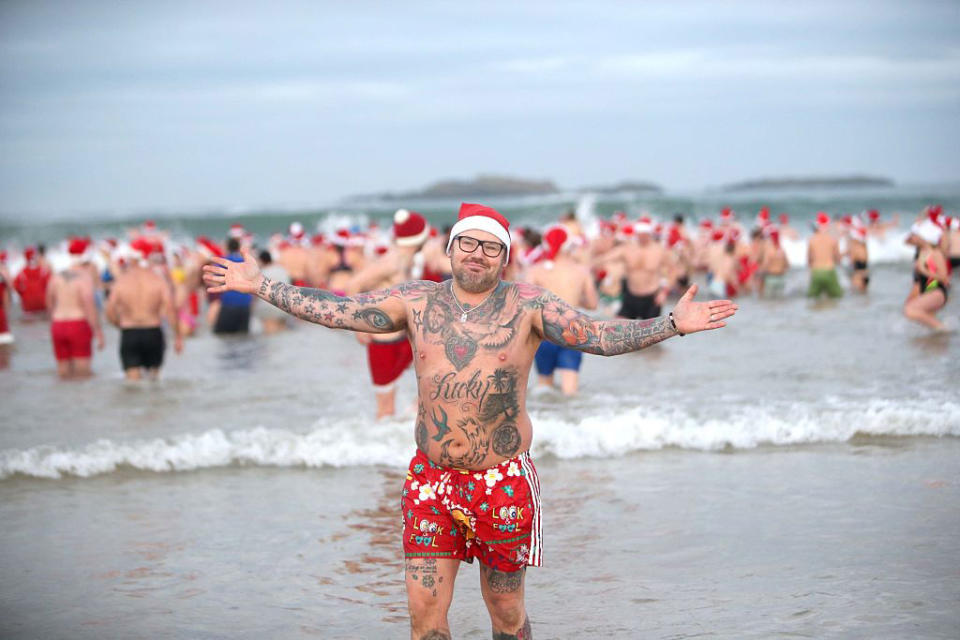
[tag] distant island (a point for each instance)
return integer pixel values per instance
(813, 182)
(626, 186)
(487, 185)
(482, 186)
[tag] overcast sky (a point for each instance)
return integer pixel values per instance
(108, 106)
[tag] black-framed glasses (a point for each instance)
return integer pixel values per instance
(469, 245)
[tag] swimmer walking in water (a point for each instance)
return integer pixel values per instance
(471, 489)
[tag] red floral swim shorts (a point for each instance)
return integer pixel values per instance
(493, 514)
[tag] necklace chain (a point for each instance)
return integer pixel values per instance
(463, 313)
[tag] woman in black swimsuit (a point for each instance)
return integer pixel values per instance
(931, 281)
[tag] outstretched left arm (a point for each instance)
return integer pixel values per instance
(561, 324)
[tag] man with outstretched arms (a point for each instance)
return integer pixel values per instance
(471, 489)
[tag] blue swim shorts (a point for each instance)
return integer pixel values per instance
(550, 356)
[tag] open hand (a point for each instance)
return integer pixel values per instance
(221, 274)
(693, 316)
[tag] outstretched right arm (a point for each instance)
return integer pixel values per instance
(380, 311)
(374, 312)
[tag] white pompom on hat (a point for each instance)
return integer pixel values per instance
(478, 217)
(409, 228)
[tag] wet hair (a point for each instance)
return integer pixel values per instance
(678, 218)
(41, 248)
(233, 245)
(532, 237)
(570, 215)
(265, 257)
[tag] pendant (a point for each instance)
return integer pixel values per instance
(463, 317)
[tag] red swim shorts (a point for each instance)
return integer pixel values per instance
(388, 360)
(493, 515)
(71, 339)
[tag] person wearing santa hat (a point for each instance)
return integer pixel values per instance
(931, 276)
(823, 256)
(644, 286)
(295, 254)
(774, 267)
(139, 303)
(572, 282)
(858, 255)
(75, 320)
(31, 283)
(390, 354)
(473, 340)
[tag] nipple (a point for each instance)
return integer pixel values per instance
(503, 357)
(422, 355)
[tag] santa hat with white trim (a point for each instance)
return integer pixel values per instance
(477, 217)
(409, 228)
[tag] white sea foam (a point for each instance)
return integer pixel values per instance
(604, 434)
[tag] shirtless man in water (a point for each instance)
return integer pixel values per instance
(823, 255)
(138, 304)
(645, 286)
(471, 489)
(572, 282)
(73, 311)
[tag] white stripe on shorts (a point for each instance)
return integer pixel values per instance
(533, 481)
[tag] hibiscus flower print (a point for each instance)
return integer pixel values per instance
(492, 476)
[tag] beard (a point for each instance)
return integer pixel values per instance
(476, 282)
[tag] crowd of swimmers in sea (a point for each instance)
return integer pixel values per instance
(618, 266)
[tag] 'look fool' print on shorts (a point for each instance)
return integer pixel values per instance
(493, 515)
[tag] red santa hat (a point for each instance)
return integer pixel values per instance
(76, 246)
(410, 229)
(784, 219)
(873, 214)
(726, 214)
(143, 246)
(643, 225)
(236, 231)
(823, 220)
(296, 230)
(478, 217)
(706, 223)
(29, 254)
(3, 256)
(208, 247)
(555, 238)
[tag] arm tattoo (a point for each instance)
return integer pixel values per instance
(567, 327)
(362, 312)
